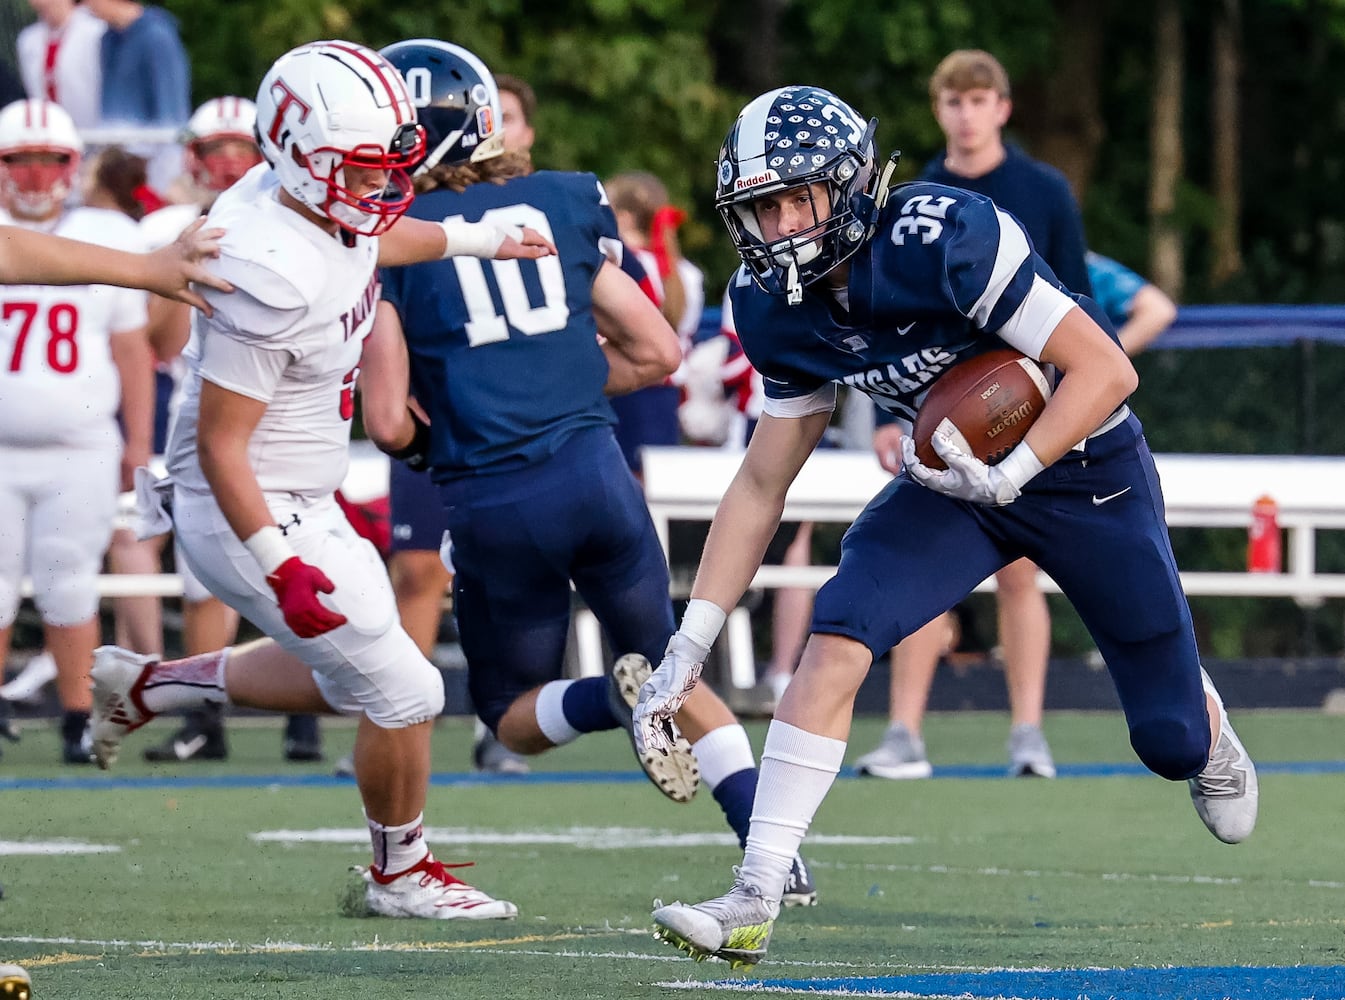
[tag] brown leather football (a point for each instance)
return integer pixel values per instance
(992, 399)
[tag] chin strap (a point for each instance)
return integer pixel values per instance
(793, 287)
(885, 181)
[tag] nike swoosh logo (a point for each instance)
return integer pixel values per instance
(1099, 501)
(187, 749)
(903, 330)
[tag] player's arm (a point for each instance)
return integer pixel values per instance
(135, 368)
(1096, 377)
(641, 348)
(743, 526)
(32, 258)
(749, 513)
(414, 241)
(385, 379)
(1151, 312)
(226, 424)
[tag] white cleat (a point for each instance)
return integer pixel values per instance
(675, 774)
(430, 892)
(1225, 794)
(735, 927)
(118, 678)
(37, 673)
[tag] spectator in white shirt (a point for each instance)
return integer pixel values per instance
(58, 59)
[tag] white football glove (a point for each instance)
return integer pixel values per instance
(967, 477)
(663, 694)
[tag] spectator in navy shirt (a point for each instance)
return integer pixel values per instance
(146, 77)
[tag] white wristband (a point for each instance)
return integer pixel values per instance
(1020, 465)
(702, 621)
(269, 548)
(475, 239)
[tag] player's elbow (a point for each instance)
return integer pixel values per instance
(384, 424)
(668, 356)
(1122, 378)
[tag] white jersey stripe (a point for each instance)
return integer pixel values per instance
(1013, 250)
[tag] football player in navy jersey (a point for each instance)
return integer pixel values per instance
(844, 280)
(513, 367)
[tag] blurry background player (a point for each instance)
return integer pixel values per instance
(69, 357)
(506, 361)
(969, 93)
(647, 224)
(261, 442)
(219, 146)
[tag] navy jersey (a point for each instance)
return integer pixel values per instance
(946, 276)
(504, 354)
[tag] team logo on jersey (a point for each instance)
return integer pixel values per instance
(900, 381)
(354, 318)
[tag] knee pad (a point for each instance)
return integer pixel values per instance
(69, 599)
(1171, 748)
(9, 602)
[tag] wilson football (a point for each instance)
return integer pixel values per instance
(992, 399)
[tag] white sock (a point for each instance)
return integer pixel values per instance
(550, 711)
(187, 683)
(797, 769)
(398, 848)
(722, 752)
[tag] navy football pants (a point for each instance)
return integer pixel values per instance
(520, 538)
(1094, 521)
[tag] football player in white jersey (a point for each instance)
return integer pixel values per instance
(71, 356)
(260, 444)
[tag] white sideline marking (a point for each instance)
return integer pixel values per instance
(596, 838)
(16, 848)
(493, 948)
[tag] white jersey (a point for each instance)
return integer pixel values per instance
(290, 336)
(58, 384)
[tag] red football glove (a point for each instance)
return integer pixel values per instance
(297, 585)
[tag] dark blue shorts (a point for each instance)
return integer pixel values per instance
(520, 538)
(1094, 521)
(417, 512)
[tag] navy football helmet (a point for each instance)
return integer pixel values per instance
(788, 138)
(456, 100)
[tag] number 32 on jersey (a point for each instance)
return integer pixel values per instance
(490, 321)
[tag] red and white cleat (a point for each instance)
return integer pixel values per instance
(429, 891)
(118, 678)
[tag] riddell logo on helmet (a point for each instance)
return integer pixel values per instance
(755, 179)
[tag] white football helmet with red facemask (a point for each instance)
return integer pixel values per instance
(327, 106)
(39, 156)
(221, 142)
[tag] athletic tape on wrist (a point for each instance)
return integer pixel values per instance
(269, 548)
(475, 239)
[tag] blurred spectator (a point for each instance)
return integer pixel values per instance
(111, 182)
(647, 225)
(518, 103)
(59, 59)
(146, 77)
(1139, 311)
